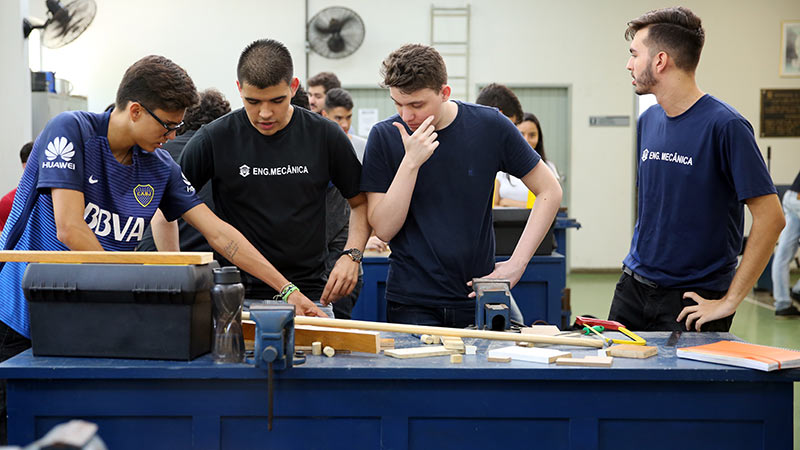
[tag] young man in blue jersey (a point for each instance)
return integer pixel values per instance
(271, 164)
(429, 175)
(698, 166)
(94, 181)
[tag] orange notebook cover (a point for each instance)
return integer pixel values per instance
(742, 354)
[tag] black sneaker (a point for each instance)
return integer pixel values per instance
(790, 312)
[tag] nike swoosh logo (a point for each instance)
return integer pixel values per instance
(92, 180)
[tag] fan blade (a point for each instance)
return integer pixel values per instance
(336, 43)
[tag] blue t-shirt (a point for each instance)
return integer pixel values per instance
(447, 238)
(695, 171)
(72, 152)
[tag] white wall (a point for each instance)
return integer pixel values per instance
(575, 42)
(15, 97)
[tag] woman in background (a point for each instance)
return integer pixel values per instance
(509, 190)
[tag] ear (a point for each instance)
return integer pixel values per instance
(325, 113)
(661, 61)
(294, 85)
(446, 91)
(239, 87)
(134, 111)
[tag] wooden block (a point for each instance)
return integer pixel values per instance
(437, 340)
(338, 338)
(586, 361)
(541, 330)
(471, 349)
(98, 257)
(500, 359)
(456, 359)
(316, 348)
(249, 330)
(632, 351)
(387, 343)
(419, 352)
(533, 354)
(426, 339)
(329, 351)
(453, 343)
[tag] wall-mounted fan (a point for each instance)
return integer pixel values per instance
(335, 32)
(65, 22)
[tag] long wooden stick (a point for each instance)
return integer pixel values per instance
(95, 257)
(444, 331)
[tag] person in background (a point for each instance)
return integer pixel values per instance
(8, 200)
(510, 191)
(698, 165)
(300, 98)
(339, 108)
(318, 87)
(212, 105)
(784, 254)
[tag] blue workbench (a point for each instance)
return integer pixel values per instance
(362, 401)
(538, 293)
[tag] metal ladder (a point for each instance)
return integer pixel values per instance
(450, 33)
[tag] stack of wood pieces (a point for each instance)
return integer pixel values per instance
(546, 356)
(450, 346)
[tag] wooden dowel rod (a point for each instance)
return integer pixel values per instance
(443, 331)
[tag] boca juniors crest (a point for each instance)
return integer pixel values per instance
(143, 193)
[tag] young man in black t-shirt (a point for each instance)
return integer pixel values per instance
(271, 164)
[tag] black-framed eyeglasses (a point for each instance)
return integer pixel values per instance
(169, 129)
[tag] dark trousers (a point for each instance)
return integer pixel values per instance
(11, 343)
(343, 308)
(453, 317)
(651, 308)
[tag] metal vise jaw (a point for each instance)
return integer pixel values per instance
(492, 303)
(274, 335)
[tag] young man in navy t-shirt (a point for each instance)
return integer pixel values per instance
(698, 165)
(429, 174)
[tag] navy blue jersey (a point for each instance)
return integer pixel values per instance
(447, 238)
(695, 171)
(72, 152)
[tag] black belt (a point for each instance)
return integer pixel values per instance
(639, 278)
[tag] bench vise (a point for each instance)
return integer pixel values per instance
(492, 303)
(274, 337)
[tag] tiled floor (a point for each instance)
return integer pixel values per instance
(754, 321)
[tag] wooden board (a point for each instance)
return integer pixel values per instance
(541, 330)
(419, 352)
(586, 361)
(338, 338)
(532, 354)
(632, 351)
(68, 257)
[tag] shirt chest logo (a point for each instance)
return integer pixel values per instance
(672, 157)
(143, 194)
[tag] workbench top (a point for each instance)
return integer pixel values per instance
(664, 366)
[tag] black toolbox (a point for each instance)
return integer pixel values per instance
(120, 310)
(508, 225)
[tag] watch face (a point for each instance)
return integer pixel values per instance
(354, 253)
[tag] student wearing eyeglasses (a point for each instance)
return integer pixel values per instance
(95, 181)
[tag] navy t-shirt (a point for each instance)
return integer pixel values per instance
(447, 238)
(695, 172)
(72, 152)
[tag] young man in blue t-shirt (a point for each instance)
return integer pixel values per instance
(698, 165)
(429, 174)
(94, 181)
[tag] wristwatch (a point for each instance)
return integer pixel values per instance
(353, 253)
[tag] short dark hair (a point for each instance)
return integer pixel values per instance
(327, 80)
(25, 152)
(677, 31)
(338, 97)
(300, 98)
(265, 63)
(158, 83)
(413, 67)
(530, 117)
(212, 105)
(502, 98)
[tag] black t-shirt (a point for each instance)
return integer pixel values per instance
(272, 188)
